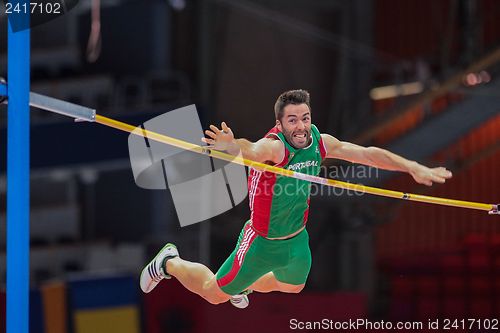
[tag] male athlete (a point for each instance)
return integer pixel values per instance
(272, 252)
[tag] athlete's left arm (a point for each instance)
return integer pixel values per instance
(383, 159)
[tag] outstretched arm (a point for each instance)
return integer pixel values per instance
(383, 159)
(264, 150)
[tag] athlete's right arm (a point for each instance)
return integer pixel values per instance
(264, 150)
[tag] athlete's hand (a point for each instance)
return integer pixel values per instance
(427, 176)
(219, 139)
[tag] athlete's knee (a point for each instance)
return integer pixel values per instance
(213, 299)
(297, 289)
(291, 288)
(213, 294)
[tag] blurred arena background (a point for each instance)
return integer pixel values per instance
(419, 77)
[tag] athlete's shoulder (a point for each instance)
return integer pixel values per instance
(273, 133)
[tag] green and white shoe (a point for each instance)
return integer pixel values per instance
(241, 300)
(154, 272)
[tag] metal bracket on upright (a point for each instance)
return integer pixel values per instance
(78, 112)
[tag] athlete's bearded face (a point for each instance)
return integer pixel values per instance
(296, 125)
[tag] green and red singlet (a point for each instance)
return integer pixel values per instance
(279, 205)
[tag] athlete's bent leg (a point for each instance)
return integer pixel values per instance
(197, 278)
(268, 283)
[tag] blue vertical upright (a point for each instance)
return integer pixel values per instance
(18, 76)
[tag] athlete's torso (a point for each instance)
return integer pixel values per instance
(279, 205)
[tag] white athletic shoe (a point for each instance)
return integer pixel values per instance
(241, 300)
(154, 272)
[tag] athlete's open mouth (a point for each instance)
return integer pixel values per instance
(300, 138)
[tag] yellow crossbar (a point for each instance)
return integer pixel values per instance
(491, 208)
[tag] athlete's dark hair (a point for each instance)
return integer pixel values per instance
(295, 97)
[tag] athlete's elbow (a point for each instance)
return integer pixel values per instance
(255, 156)
(373, 151)
(250, 155)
